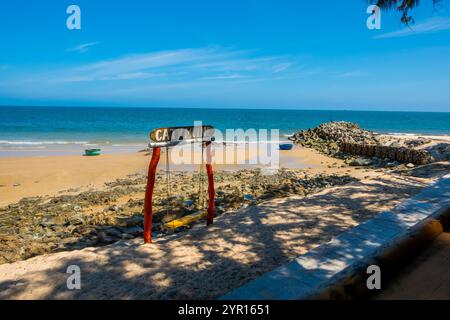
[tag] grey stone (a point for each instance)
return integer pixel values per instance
(361, 161)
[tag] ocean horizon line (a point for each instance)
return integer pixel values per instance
(225, 108)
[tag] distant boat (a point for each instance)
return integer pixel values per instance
(286, 146)
(92, 152)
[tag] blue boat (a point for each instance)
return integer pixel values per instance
(286, 146)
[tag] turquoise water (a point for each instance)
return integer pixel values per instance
(22, 127)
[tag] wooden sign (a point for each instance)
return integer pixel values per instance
(181, 133)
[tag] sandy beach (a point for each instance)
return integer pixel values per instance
(59, 210)
(208, 262)
(50, 175)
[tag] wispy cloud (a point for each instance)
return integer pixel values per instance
(82, 48)
(192, 64)
(225, 76)
(434, 24)
(349, 74)
(168, 74)
(282, 67)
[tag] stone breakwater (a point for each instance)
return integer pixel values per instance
(399, 154)
(342, 139)
(40, 225)
(326, 137)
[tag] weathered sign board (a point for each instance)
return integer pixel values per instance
(172, 134)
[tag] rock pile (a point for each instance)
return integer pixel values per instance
(346, 139)
(326, 137)
(440, 151)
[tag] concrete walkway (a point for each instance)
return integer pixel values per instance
(329, 270)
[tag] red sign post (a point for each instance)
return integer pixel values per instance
(167, 137)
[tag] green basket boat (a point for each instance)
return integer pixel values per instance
(92, 152)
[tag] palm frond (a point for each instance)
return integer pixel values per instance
(402, 5)
(397, 4)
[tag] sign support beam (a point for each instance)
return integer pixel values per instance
(163, 138)
(148, 202)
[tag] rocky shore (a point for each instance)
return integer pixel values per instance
(327, 137)
(359, 147)
(35, 226)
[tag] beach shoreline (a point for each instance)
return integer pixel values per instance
(16, 148)
(47, 175)
(22, 177)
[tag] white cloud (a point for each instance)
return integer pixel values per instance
(194, 64)
(225, 76)
(82, 48)
(282, 67)
(163, 74)
(132, 75)
(350, 74)
(434, 24)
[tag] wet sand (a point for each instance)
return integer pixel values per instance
(42, 176)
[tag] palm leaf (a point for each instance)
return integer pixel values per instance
(402, 5)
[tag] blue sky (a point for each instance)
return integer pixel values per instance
(235, 53)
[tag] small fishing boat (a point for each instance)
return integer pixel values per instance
(92, 152)
(286, 146)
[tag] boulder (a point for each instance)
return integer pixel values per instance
(361, 161)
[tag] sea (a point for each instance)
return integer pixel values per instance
(69, 130)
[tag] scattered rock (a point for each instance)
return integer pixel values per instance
(95, 218)
(76, 219)
(392, 164)
(417, 142)
(361, 161)
(113, 208)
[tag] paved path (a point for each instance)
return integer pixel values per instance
(328, 269)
